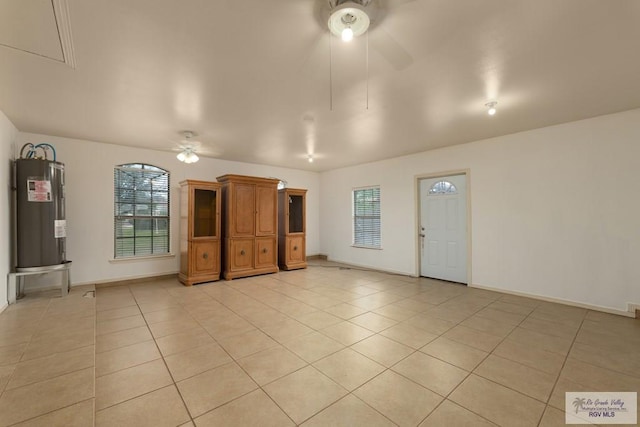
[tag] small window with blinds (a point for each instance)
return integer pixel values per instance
(141, 218)
(366, 217)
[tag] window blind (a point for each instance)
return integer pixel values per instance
(366, 217)
(141, 205)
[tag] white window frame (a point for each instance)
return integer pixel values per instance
(118, 216)
(372, 238)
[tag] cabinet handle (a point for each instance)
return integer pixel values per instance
(264, 250)
(205, 255)
(242, 252)
(295, 248)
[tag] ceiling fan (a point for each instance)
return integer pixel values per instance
(188, 148)
(346, 19)
(352, 18)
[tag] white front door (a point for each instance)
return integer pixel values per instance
(443, 228)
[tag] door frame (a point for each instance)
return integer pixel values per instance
(416, 184)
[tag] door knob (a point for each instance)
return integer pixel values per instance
(242, 252)
(205, 255)
(422, 235)
(295, 248)
(264, 250)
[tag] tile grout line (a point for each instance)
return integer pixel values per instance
(28, 343)
(215, 339)
(233, 360)
(557, 375)
(308, 364)
(155, 342)
(161, 356)
(419, 351)
(398, 361)
(446, 398)
(374, 333)
(32, 337)
(564, 362)
(479, 363)
(50, 412)
(261, 387)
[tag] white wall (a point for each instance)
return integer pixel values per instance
(8, 134)
(555, 211)
(89, 202)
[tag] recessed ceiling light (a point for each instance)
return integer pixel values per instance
(491, 107)
(310, 158)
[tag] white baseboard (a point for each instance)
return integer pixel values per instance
(558, 301)
(116, 281)
(368, 267)
(4, 306)
(633, 308)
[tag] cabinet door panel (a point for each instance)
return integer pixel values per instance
(243, 210)
(240, 254)
(266, 217)
(266, 252)
(205, 255)
(295, 213)
(205, 215)
(295, 249)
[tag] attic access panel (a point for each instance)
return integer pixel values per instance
(38, 27)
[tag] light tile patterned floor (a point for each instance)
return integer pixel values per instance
(315, 347)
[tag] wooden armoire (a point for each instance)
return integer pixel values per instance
(199, 231)
(250, 225)
(291, 228)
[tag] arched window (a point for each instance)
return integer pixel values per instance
(442, 187)
(141, 210)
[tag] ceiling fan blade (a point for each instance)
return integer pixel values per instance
(396, 55)
(315, 38)
(392, 4)
(318, 49)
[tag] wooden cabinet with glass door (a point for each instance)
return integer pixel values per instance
(199, 232)
(292, 228)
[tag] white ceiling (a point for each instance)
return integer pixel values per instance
(260, 82)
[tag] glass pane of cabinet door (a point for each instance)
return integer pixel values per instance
(296, 214)
(292, 237)
(204, 213)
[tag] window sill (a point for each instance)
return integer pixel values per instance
(141, 258)
(377, 248)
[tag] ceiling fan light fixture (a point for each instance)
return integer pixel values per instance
(348, 20)
(188, 155)
(191, 157)
(347, 34)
